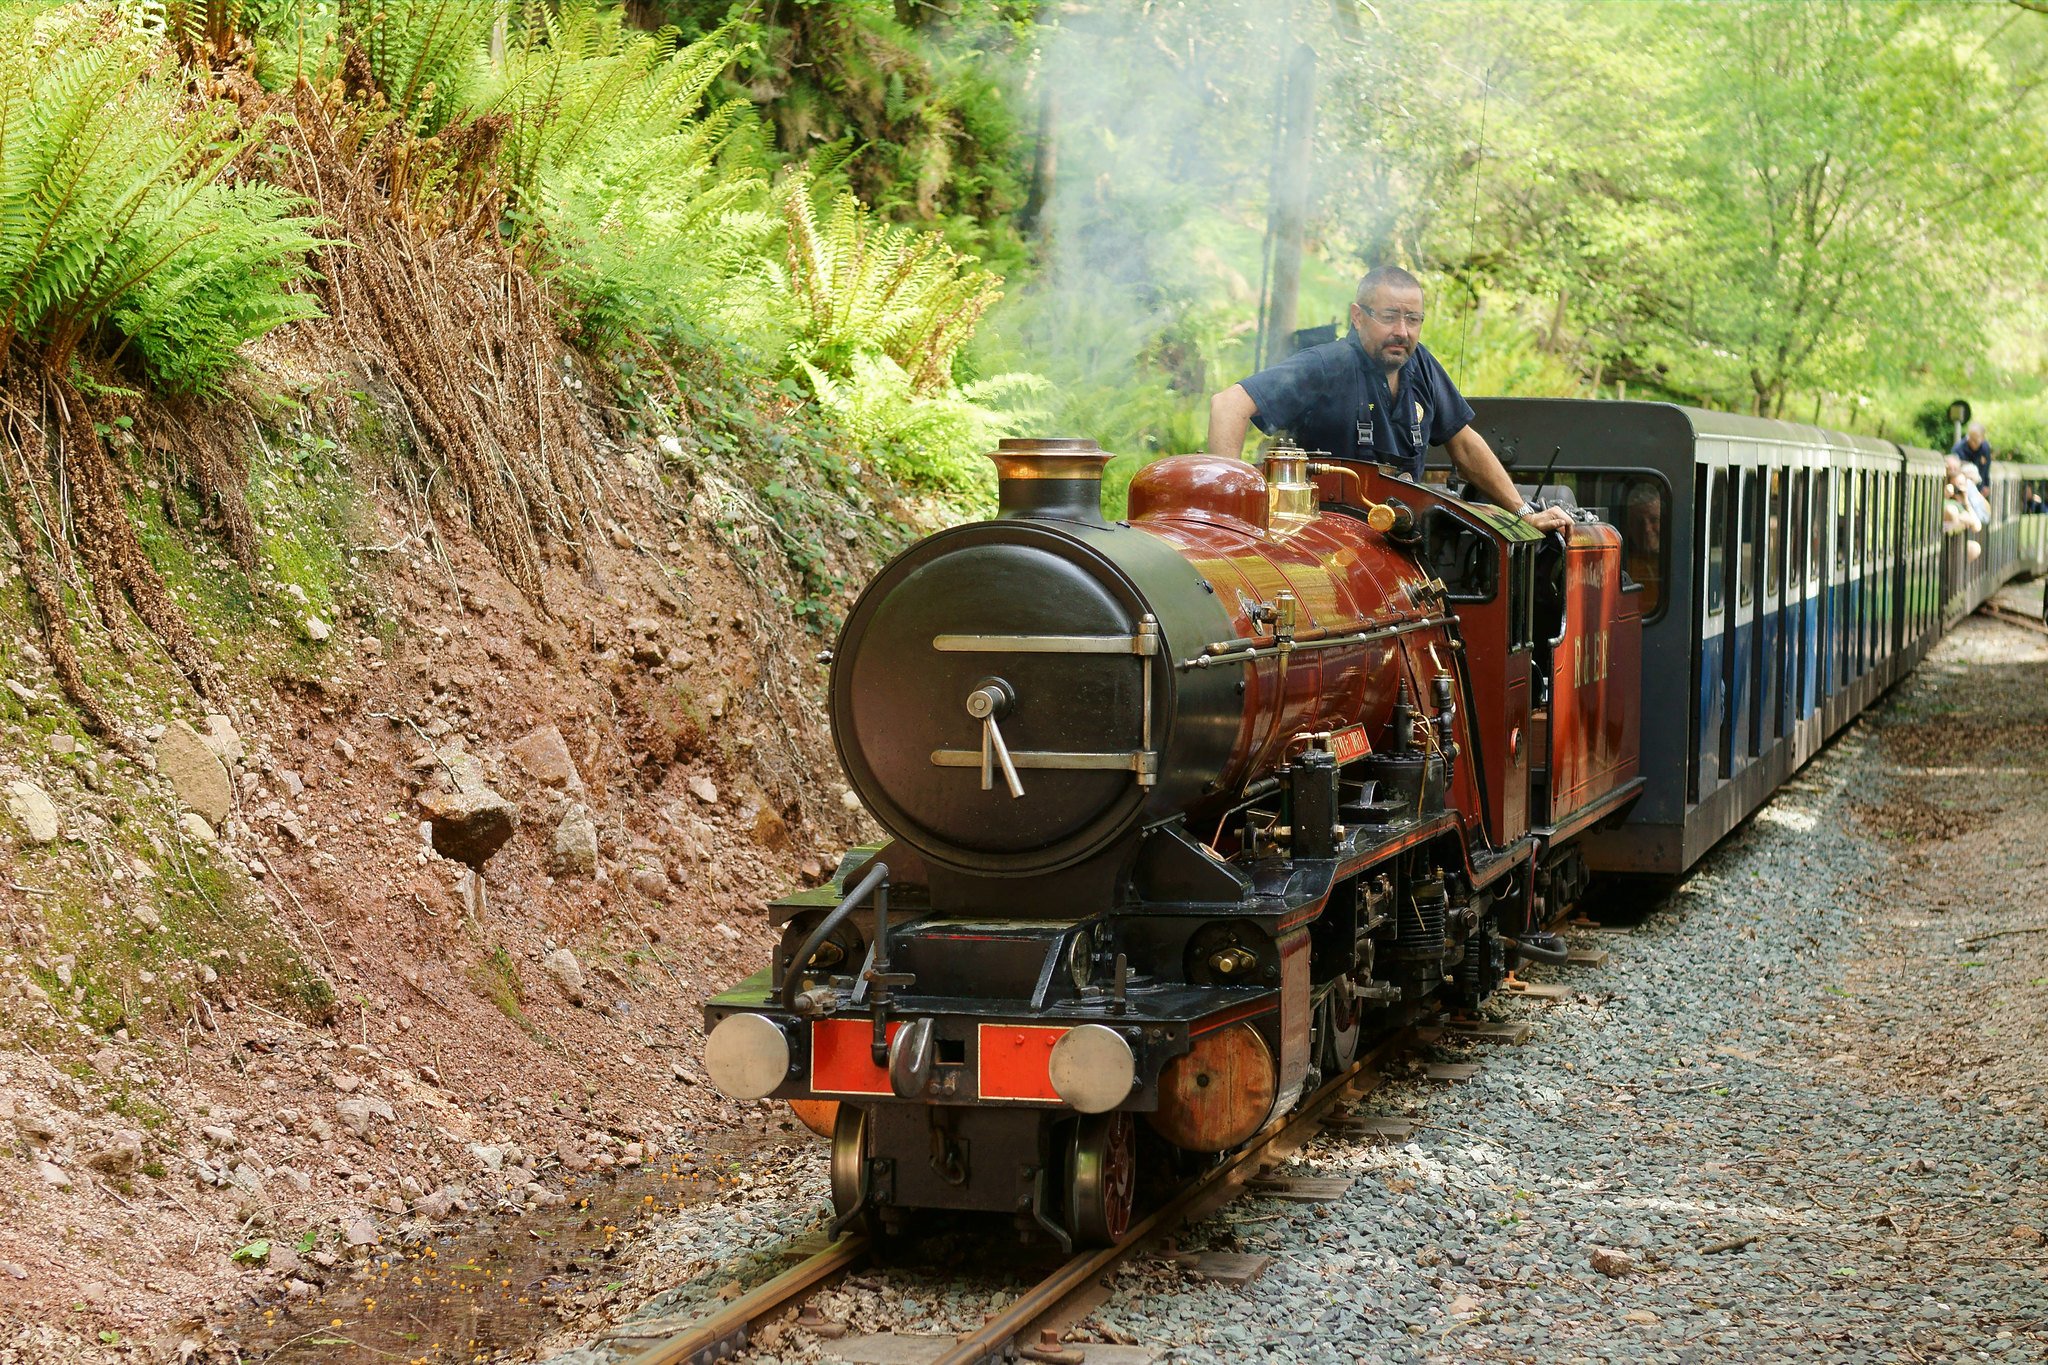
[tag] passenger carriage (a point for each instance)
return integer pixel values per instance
(1795, 573)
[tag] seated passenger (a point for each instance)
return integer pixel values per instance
(1962, 485)
(1975, 451)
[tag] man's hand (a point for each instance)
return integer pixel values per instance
(1550, 519)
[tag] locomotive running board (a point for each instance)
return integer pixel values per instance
(1591, 812)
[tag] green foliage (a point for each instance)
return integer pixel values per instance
(426, 56)
(117, 218)
(228, 282)
(576, 79)
(1771, 207)
(929, 439)
(865, 288)
(651, 213)
(277, 40)
(496, 978)
(921, 96)
(651, 208)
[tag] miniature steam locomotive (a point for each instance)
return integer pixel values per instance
(1183, 809)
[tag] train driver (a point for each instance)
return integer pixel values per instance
(1377, 394)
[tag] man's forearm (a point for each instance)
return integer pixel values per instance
(1230, 418)
(1477, 462)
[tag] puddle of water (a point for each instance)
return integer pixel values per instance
(483, 1292)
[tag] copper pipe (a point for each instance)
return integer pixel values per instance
(1346, 471)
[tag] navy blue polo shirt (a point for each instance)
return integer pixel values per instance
(1333, 397)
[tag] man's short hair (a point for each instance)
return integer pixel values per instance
(1392, 276)
(1976, 428)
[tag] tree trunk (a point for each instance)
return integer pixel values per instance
(1287, 223)
(1044, 164)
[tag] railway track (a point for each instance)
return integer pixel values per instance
(728, 1330)
(2011, 617)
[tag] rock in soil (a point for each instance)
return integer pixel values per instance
(575, 847)
(469, 826)
(194, 771)
(37, 814)
(544, 754)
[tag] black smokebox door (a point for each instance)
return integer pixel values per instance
(909, 699)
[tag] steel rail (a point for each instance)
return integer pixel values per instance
(994, 1340)
(730, 1328)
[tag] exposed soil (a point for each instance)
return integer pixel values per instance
(351, 1053)
(1951, 997)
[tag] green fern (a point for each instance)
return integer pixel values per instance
(928, 440)
(116, 218)
(865, 287)
(427, 56)
(577, 80)
(650, 210)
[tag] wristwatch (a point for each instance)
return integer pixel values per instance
(1528, 509)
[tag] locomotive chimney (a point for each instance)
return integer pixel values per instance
(1059, 476)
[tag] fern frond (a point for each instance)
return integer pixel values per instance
(111, 195)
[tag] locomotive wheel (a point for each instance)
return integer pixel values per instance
(850, 1163)
(1342, 1026)
(1102, 1179)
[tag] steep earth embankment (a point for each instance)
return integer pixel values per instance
(253, 1026)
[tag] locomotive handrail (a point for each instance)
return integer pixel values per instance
(1144, 641)
(1226, 653)
(877, 881)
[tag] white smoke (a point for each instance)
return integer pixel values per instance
(1146, 294)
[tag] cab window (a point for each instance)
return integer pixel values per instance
(1464, 557)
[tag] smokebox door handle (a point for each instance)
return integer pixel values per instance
(992, 743)
(985, 703)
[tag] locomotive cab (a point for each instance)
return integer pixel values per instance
(1552, 628)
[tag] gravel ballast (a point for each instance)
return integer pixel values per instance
(1705, 1154)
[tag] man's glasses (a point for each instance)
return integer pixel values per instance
(1387, 317)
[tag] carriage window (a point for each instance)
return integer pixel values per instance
(1844, 510)
(1774, 541)
(1464, 557)
(1717, 540)
(1797, 572)
(1635, 505)
(1862, 526)
(1820, 524)
(1745, 541)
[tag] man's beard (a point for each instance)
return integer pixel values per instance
(1386, 362)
